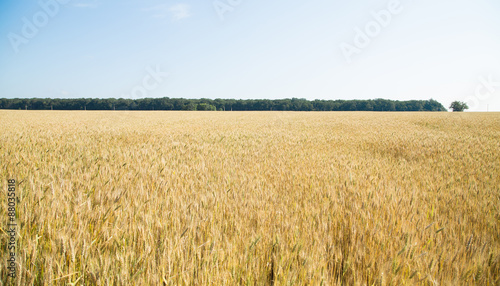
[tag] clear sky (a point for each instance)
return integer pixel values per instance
(320, 49)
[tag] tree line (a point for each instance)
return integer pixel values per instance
(293, 104)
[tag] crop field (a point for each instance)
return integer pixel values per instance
(251, 198)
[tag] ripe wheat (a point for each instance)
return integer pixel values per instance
(226, 198)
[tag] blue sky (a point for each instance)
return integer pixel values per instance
(407, 49)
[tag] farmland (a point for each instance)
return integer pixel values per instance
(225, 198)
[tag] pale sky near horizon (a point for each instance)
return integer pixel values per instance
(321, 49)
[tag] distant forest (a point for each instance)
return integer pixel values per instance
(294, 104)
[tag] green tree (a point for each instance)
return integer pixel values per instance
(205, 107)
(459, 106)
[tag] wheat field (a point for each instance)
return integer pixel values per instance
(252, 198)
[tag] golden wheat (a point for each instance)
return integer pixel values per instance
(225, 198)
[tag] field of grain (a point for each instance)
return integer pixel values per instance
(254, 198)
